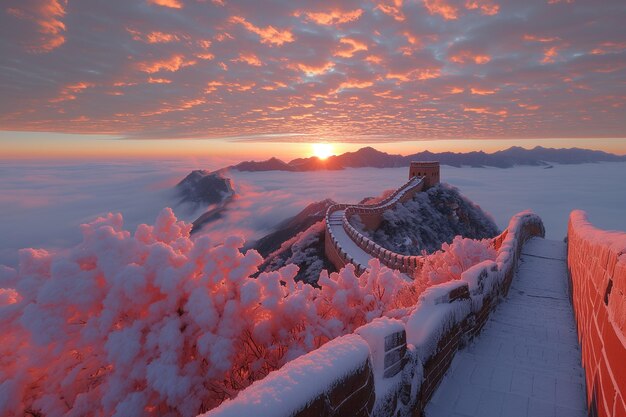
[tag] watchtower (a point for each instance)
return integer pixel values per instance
(428, 170)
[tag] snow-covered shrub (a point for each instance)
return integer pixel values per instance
(445, 265)
(453, 259)
(357, 300)
(156, 323)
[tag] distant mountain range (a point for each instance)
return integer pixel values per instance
(370, 157)
(215, 190)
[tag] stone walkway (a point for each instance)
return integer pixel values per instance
(347, 244)
(526, 362)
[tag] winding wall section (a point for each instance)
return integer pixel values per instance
(345, 244)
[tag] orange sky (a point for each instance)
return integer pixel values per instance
(356, 72)
(26, 145)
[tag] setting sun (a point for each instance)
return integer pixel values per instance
(322, 150)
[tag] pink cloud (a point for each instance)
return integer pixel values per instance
(416, 74)
(486, 7)
(486, 110)
(348, 47)
(153, 37)
(119, 62)
(172, 64)
(249, 58)
(549, 54)
(152, 80)
(392, 8)
(268, 34)
(442, 8)
(609, 47)
(527, 106)
(70, 91)
(333, 17)
(355, 84)
(173, 4)
(482, 91)
(47, 15)
(537, 38)
(313, 69)
(465, 57)
(374, 59)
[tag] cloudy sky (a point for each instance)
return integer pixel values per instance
(294, 70)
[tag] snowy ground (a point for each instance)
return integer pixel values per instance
(526, 361)
(43, 204)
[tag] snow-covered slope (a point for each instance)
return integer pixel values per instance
(306, 250)
(430, 219)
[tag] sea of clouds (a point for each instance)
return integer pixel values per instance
(43, 204)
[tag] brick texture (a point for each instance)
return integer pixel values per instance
(598, 285)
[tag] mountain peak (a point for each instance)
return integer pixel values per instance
(368, 150)
(368, 156)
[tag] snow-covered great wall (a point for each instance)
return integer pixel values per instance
(391, 366)
(344, 244)
(597, 266)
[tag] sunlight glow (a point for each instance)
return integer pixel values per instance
(322, 150)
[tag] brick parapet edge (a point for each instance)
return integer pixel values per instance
(596, 262)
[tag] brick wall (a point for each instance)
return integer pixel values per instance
(372, 216)
(597, 266)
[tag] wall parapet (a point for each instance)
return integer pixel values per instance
(403, 263)
(405, 359)
(596, 261)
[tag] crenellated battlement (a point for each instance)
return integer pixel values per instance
(344, 244)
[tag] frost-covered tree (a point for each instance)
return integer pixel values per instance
(453, 259)
(155, 323)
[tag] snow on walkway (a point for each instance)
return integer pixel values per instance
(345, 242)
(526, 361)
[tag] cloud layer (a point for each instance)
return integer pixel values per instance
(43, 206)
(400, 69)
